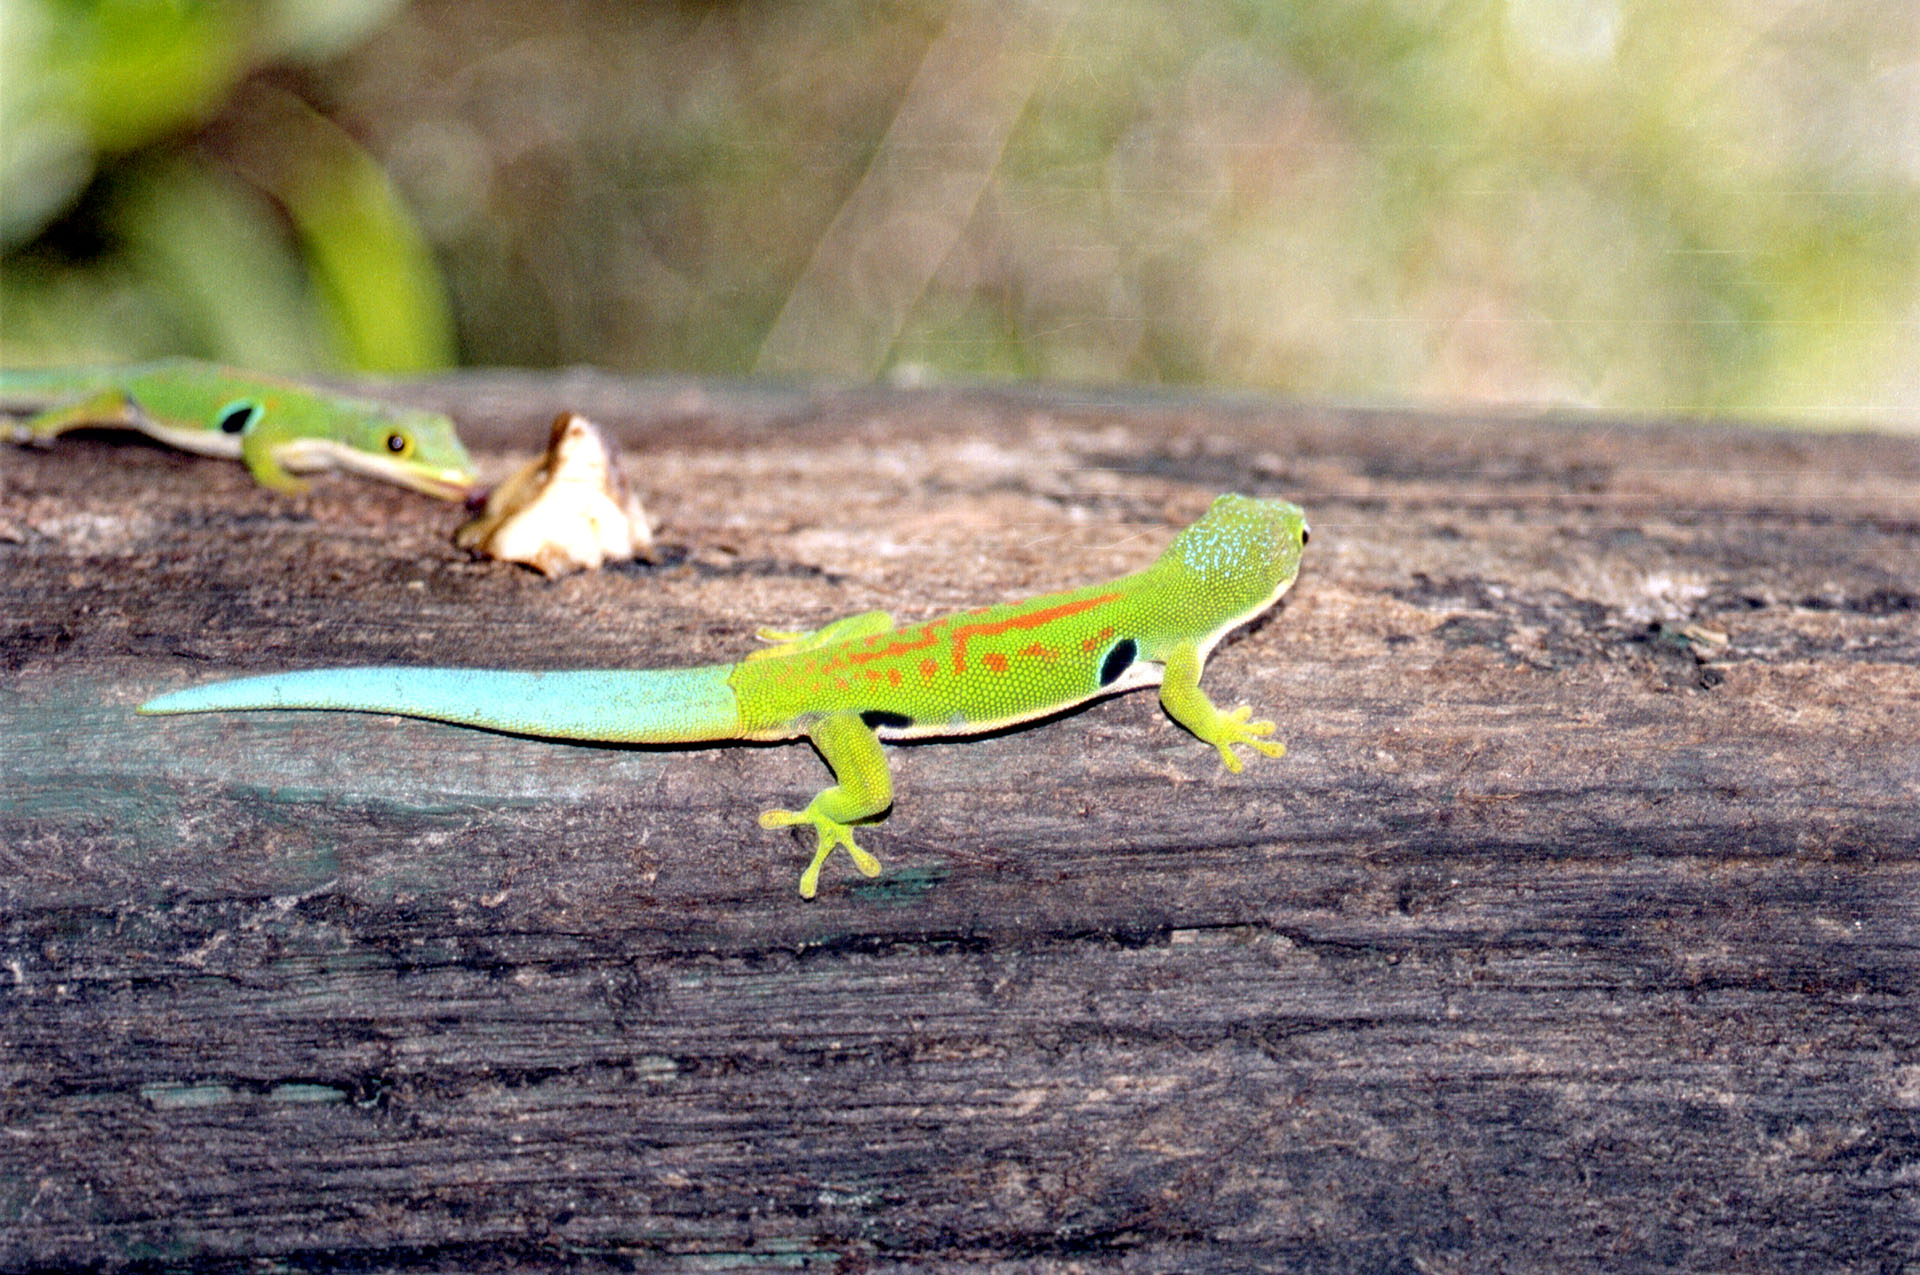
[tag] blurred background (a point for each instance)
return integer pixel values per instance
(1709, 207)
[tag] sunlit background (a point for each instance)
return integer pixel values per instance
(1707, 207)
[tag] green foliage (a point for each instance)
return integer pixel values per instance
(128, 236)
(1709, 207)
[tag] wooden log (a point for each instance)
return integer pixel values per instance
(1570, 934)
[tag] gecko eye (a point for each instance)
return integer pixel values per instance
(399, 444)
(237, 415)
(1306, 533)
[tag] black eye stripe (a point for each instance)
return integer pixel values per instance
(1118, 661)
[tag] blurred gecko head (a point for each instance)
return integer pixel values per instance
(1240, 557)
(415, 448)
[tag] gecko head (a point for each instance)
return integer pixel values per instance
(418, 449)
(1242, 555)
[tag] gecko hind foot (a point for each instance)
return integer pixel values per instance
(832, 833)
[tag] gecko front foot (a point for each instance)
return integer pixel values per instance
(1234, 728)
(832, 833)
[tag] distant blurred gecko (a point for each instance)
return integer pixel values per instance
(859, 680)
(277, 427)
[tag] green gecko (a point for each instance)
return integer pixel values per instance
(275, 426)
(859, 680)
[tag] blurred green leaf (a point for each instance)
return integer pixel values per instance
(381, 291)
(218, 253)
(146, 67)
(181, 256)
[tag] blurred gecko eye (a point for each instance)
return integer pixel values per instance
(237, 415)
(1306, 533)
(399, 444)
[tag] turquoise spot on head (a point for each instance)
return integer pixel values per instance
(1243, 544)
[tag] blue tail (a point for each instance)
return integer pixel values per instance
(642, 706)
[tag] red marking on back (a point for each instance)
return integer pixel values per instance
(1090, 645)
(1039, 652)
(928, 667)
(1031, 620)
(928, 636)
(893, 676)
(995, 661)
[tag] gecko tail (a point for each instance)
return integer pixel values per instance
(641, 706)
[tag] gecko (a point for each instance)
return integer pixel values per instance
(850, 684)
(275, 426)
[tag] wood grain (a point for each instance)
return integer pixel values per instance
(1564, 937)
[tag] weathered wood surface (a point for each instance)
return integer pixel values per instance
(1549, 945)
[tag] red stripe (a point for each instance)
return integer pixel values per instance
(1032, 620)
(928, 636)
